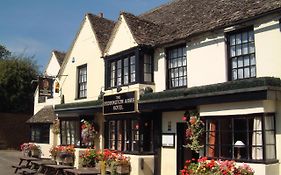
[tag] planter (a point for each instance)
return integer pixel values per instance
(26, 153)
(68, 160)
(123, 169)
(35, 153)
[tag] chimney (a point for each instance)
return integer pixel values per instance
(100, 15)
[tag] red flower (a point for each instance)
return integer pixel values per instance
(183, 118)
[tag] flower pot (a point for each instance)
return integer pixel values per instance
(35, 153)
(123, 169)
(68, 160)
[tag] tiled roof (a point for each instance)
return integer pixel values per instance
(60, 56)
(143, 31)
(45, 115)
(102, 28)
(191, 17)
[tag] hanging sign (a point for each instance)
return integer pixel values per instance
(119, 103)
(45, 86)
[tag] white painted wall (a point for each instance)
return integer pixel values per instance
(268, 47)
(160, 69)
(206, 60)
(85, 51)
(122, 38)
(169, 155)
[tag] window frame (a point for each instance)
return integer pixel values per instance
(184, 56)
(79, 68)
(141, 147)
(248, 145)
(138, 53)
(77, 130)
(42, 129)
(242, 55)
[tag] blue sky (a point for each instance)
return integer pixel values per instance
(36, 27)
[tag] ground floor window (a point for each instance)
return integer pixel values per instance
(40, 133)
(248, 137)
(129, 135)
(80, 132)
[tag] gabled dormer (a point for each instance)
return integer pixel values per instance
(84, 59)
(129, 54)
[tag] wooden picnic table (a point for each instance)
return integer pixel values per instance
(26, 160)
(57, 168)
(82, 171)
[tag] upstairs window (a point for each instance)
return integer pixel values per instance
(123, 71)
(129, 67)
(177, 72)
(147, 68)
(82, 81)
(242, 61)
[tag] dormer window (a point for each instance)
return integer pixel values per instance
(129, 67)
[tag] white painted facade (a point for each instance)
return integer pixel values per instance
(85, 51)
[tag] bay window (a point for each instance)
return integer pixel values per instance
(40, 133)
(246, 138)
(129, 67)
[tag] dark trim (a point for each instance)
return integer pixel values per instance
(182, 45)
(183, 103)
(229, 61)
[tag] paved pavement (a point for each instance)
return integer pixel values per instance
(7, 159)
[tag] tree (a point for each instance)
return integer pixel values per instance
(4, 53)
(16, 90)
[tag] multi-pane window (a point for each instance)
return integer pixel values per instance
(242, 55)
(40, 133)
(82, 81)
(248, 137)
(123, 71)
(70, 132)
(177, 73)
(79, 132)
(125, 135)
(147, 68)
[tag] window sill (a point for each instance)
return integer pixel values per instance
(266, 162)
(80, 98)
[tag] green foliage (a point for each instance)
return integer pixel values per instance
(4, 53)
(16, 90)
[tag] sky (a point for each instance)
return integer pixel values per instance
(36, 27)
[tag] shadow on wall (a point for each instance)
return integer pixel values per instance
(13, 130)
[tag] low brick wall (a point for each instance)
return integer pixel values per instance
(13, 130)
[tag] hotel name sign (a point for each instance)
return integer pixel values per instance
(119, 103)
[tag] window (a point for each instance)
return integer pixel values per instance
(40, 133)
(147, 68)
(250, 137)
(70, 132)
(129, 67)
(82, 81)
(79, 132)
(123, 71)
(130, 135)
(242, 59)
(177, 73)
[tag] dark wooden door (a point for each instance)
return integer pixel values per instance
(183, 153)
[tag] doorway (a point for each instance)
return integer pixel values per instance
(183, 153)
